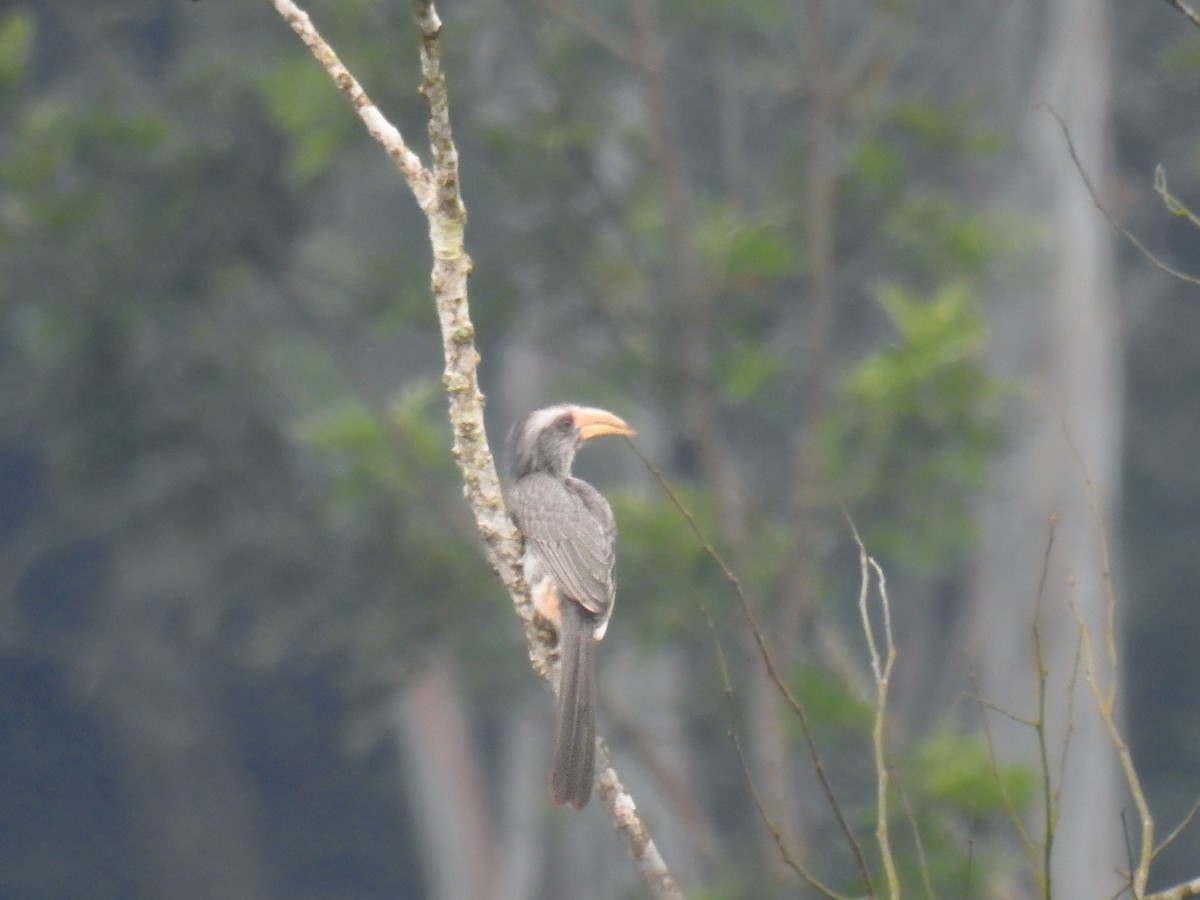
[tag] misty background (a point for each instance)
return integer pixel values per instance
(819, 254)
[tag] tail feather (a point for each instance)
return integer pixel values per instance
(573, 765)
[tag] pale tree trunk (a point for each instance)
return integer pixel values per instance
(1061, 344)
(522, 789)
(447, 787)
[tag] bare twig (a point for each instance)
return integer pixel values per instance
(1049, 795)
(601, 35)
(768, 660)
(437, 191)
(918, 843)
(1187, 820)
(1106, 703)
(735, 738)
(973, 694)
(1125, 232)
(1179, 892)
(1174, 206)
(1030, 846)
(1191, 14)
(1105, 694)
(1051, 787)
(881, 669)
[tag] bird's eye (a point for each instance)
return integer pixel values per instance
(565, 422)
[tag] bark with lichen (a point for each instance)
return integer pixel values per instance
(436, 189)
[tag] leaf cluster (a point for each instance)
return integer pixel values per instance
(910, 437)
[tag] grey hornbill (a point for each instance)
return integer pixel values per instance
(569, 554)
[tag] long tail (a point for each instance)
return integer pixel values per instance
(573, 765)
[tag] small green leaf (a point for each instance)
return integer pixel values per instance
(749, 368)
(877, 163)
(347, 427)
(302, 104)
(758, 251)
(909, 440)
(957, 769)
(1182, 58)
(16, 37)
(424, 432)
(827, 701)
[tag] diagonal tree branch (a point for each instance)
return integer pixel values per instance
(1179, 892)
(777, 680)
(1186, 10)
(1125, 232)
(437, 191)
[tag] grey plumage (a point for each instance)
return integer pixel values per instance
(569, 526)
(570, 541)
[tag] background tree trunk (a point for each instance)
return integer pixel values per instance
(1062, 348)
(447, 785)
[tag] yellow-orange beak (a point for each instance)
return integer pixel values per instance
(598, 422)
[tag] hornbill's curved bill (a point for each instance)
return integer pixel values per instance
(569, 554)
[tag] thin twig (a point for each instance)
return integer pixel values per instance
(1174, 206)
(996, 708)
(1105, 695)
(735, 738)
(600, 34)
(1186, 10)
(1178, 829)
(1009, 806)
(881, 668)
(1179, 892)
(918, 843)
(1127, 873)
(1072, 683)
(1128, 235)
(768, 660)
(1049, 796)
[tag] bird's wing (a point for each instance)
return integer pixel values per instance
(570, 527)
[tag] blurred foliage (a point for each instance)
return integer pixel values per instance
(956, 794)
(1181, 57)
(831, 703)
(909, 442)
(219, 401)
(956, 771)
(205, 398)
(661, 557)
(16, 38)
(302, 103)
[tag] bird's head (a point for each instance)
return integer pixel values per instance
(546, 439)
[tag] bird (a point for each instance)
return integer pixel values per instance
(570, 550)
